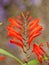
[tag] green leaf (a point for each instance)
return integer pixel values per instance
(24, 64)
(2, 51)
(33, 62)
(6, 53)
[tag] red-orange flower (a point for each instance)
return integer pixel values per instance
(39, 51)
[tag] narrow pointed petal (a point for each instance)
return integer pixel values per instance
(36, 51)
(17, 43)
(43, 50)
(29, 18)
(13, 30)
(34, 22)
(18, 21)
(37, 29)
(32, 27)
(40, 60)
(39, 50)
(15, 36)
(15, 23)
(32, 38)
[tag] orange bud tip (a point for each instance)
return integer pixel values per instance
(2, 58)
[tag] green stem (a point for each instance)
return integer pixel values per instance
(19, 61)
(2, 51)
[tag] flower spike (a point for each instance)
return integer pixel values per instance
(26, 30)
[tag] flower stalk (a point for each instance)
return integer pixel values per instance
(4, 52)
